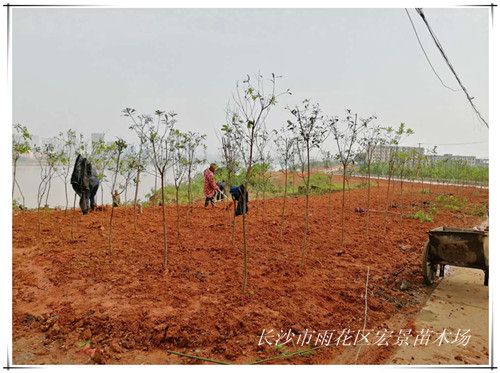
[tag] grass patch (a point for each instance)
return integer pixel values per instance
(319, 183)
(461, 204)
(476, 209)
(451, 202)
(83, 343)
(420, 215)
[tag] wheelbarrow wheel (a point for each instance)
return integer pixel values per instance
(486, 276)
(429, 269)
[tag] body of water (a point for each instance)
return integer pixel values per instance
(28, 177)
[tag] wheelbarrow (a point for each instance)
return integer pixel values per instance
(466, 248)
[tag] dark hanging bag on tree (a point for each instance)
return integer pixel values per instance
(240, 194)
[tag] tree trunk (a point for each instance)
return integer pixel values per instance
(190, 194)
(39, 202)
(401, 195)
(14, 177)
(344, 170)
(264, 184)
(112, 203)
(244, 221)
(305, 239)
(21, 193)
(165, 251)
(156, 177)
(233, 214)
(73, 223)
(413, 176)
(136, 195)
(178, 213)
(68, 169)
(284, 195)
(387, 200)
(393, 186)
(66, 195)
(367, 220)
(48, 192)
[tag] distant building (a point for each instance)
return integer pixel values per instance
(469, 160)
(382, 153)
(483, 162)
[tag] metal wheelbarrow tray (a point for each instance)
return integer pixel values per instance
(457, 247)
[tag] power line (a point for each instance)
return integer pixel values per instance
(440, 47)
(425, 53)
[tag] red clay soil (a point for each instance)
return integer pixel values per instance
(74, 302)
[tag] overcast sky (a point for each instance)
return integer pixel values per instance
(78, 68)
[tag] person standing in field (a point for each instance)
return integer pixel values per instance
(210, 186)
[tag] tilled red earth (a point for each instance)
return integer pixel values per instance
(74, 302)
